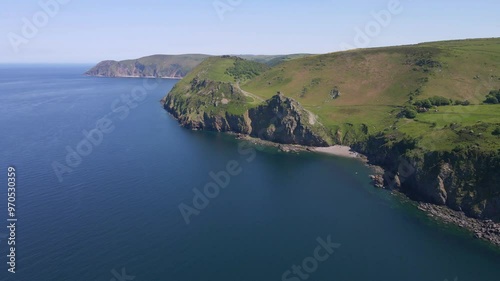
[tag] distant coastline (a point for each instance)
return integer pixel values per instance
(136, 76)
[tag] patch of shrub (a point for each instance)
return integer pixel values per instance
(408, 112)
(244, 69)
(495, 93)
(423, 103)
(427, 62)
(439, 101)
(493, 97)
(436, 101)
(315, 81)
(460, 102)
(491, 100)
(496, 132)
(304, 92)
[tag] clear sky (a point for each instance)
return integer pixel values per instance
(88, 31)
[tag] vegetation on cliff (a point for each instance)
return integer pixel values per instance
(210, 98)
(418, 108)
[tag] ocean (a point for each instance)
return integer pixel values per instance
(109, 187)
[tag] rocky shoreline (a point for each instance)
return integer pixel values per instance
(342, 151)
(486, 230)
(482, 229)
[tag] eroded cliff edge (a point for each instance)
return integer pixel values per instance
(464, 180)
(220, 106)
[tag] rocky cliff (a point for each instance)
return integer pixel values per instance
(464, 179)
(429, 156)
(118, 69)
(163, 66)
(284, 120)
(219, 106)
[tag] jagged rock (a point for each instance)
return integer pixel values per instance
(480, 229)
(280, 119)
(377, 180)
(391, 180)
(434, 185)
(284, 120)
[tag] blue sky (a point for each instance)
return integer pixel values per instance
(90, 31)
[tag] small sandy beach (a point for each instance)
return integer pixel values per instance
(338, 150)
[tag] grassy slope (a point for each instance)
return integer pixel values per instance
(273, 60)
(375, 84)
(188, 62)
(214, 69)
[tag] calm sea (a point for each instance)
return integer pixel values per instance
(106, 207)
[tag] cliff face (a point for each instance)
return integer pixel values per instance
(464, 179)
(219, 106)
(118, 69)
(162, 66)
(206, 105)
(284, 120)
(462, 172)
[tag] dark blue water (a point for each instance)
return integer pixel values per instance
(115, 214)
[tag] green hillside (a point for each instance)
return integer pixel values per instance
(273, 60)
(213, 86)
(176, 66)
(173, 66)
(429, 114)
(375, 85)
(186, 62)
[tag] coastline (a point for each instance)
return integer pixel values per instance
(135, 76)
(486, 230)
(336, 150)
(339, 150)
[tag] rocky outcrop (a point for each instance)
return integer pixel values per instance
(284, 120)
(464, 180)
(207, 105)
(377, 181)
(481, 229)
(434, 186)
